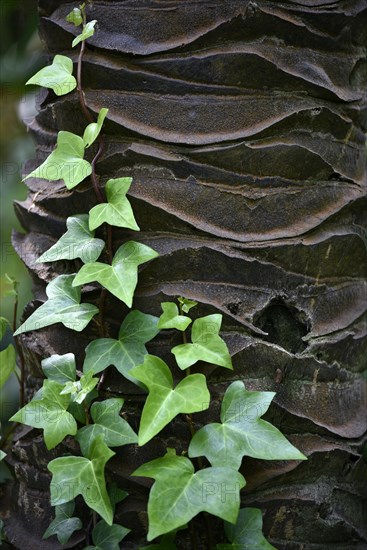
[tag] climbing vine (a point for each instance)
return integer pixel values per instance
(205, 478)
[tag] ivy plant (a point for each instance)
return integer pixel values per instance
(72, 401)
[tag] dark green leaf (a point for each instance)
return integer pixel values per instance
(57, 76)
(179, 493)
(171, 318)
(206, 345)
(60, 368)
(107, 421)
(116, 495)
(247, 533)
(63, 306)
(64, 525)
(126, 352)
(121, 277)
(117, 210)
(4, 324)
(66, 162)
(77, 242)
(242, 432)
(78, 475)
(49, 413)
(164, 403)
(107, 537)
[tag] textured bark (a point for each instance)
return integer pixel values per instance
(243, 126)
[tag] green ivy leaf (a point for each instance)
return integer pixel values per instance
(49, 414)
(107, 537)
(88, 31)
(60, 368)
(57, 76)
(242, 433)
(171, 318)
(247, 533)
(63, 306)
(186, 304)
(78, 409)
(108, 422)
(121, 277)
(164, 403)
(66, 162)
(7, 363)
(206, 345)
(4, 324)
(116, 495)
(75, 17)
(64, 525)
(167, 542)
(80, 388)
(2, 455)
(77, 242)
(179, 493)
(117, 210)
(128, 350)
(78, 475)
(93, 129)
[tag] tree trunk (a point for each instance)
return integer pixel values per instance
(242, 125)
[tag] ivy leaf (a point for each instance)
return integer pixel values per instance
(171, 318)
(107, 421)
(247, 533)
(78, 409)
(107, 537)
(163, 402)
(117, 210)
(60, 368)
(78, 475)
(128, 350)
(66, 162)
(167, 542)
(206, 345)
(242, 432)
(121, 277)
(7, 363)
(179, 493)
(93, 129)
(75, 17)
(2, 455)
(88, 31)
(63, 306)
(116, 495)
(4, 324)
(64, 525)
(49, 413)
(77, 242)
(80, 388)
(186, 304)
(57, 76)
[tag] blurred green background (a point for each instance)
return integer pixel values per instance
(20, 58)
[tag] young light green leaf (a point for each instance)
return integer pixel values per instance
(60, 368)
(108, 422)
(241, 432)
(57, 76)
(107, 537)
(77, 242)
(93, 129)
(2, 455)
(63, 306)
(117, 210)
(171, 318)
(80, 388)
(78, 410)
(206, 345)
(49, 413)
(66, 162)
(179, 493)
(186, 304)
(88, 31)
(7, 363)
(128, 350)
(247, 533)
(121, 277)
(75, 17)
(64, 525)
(78, 475)
(164, 403)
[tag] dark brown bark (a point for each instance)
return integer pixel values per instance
(243, 125)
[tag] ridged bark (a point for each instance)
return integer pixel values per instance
(243, 126)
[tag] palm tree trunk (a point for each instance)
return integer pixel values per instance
(242, 124)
